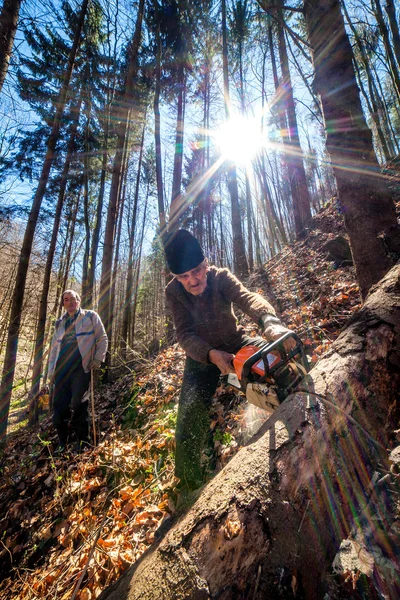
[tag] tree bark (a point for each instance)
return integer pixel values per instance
(178, 204)
(157, 130)
(302, 495)
(42, 317)
(367, 204)
(126, 105)
(19, 290)
(8, 27)
(394, 28)
(294, 153)
(372, 101)
(393, 68)
(240, 264)
(127, 311)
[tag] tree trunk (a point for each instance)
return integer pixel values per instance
(240, 264)
(178, 204)
(287, 166)
(8, 27)
(126, 105)
(136, 285)
(372, 100)
(97, 225)
(19, 290)
(394, 28)
(86, 220)
(127, 312)
(68, 255)
(306, 492)
(367, 205)
(41, 325)
(119, 223)
(393, 68)
(157, 131)
(294, 153)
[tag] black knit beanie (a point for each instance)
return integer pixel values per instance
(183, 252)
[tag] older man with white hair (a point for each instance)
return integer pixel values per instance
(200, 298)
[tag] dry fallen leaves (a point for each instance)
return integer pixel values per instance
(95, 514)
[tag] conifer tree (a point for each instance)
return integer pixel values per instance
(19, 290)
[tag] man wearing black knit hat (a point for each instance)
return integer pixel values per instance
(200, 298)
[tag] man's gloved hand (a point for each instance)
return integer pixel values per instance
(94, 364)
(274, 329)
(223, 360)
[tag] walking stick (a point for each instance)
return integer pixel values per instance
(93, 414)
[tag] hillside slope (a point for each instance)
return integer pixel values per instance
(72, 525)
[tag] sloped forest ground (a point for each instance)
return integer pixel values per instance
(70, 525)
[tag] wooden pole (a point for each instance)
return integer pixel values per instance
(93, 413)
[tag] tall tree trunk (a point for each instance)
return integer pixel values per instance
(273, 218)
(68, 256)
(86, 222)
(178, 205)
(126, 105)
(157, 131)
(372, 101)
(8, 26)
(368, 207)
(241, 266)
(97, 224)
(298, 180)
(242, 15)
(287, 166)
(394, 28)
(19, 290)
(86, 194)
(41, 325)
(393, 68)
(119, 217)
(136, 286)
(126, 318)
(104, 166)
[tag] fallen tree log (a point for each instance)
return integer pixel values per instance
(309, 508)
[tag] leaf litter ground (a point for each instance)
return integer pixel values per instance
(71, 525)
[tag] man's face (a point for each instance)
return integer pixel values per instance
(195, 280)
(71, 303)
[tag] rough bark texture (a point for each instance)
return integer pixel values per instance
(367, 204)
(240, 264)
(307, 507)
(126, 103)
(294, 157)
(8, 27)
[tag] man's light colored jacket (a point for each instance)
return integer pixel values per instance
(90, 335)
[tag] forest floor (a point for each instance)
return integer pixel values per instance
(71, 525)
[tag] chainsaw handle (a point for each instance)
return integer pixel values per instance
(299, 348)
(270, 346)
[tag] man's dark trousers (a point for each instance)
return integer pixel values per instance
(193, 423)
(69, 412)
(198, 387)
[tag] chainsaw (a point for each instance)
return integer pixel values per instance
(268, 374)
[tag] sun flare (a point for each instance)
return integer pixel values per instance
(239, 139)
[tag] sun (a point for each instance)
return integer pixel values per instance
(239, 139)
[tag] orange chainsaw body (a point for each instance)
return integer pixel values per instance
(267, 374)
(246, 352)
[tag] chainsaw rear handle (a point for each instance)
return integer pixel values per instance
(270, 346)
